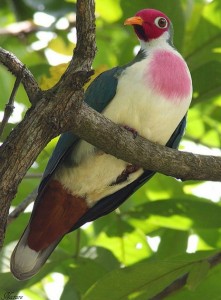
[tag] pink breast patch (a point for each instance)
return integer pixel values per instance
(168, 75)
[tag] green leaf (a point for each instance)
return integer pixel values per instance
(16, 228)
(208, 289)
(102, 256)
(182, 213)
(206, 89)
(172, 242)
(128, 244)
(146, 278)
(197, 274)
(84, 274)
(109, 10)
(211, 238)
(70, 292)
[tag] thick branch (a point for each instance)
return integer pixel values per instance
(86, 45)
(48, 117)
(111, 138)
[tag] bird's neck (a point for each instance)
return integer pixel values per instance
(162, 42)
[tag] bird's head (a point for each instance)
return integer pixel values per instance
(151, 24)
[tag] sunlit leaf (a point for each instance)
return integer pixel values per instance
(127, 243)
(146, 278)
(55, 75)
(109, 10)
(58, 45)
(181, 213)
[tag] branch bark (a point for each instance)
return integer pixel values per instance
(104, 134)
(9, 107)
(22, 206)
(19, 28)
(48, 116)
(17, 68)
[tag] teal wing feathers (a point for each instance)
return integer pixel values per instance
(101, 91)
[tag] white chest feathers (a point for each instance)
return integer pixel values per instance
(148, 99)
(153, 98)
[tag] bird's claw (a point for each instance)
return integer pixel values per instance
(132, 130)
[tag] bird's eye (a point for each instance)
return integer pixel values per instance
(161, 22)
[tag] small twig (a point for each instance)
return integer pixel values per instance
(19, 28)
(16, 67)
(22, 206)
(9, 107)
(172, 288)
(33, 175)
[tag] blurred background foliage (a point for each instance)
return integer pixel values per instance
(167, 228)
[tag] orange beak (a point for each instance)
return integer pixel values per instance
(134, 21)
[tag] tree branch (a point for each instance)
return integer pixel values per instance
(22, 206)
(10, 105)
(115, 140)
(33, 175)
(19, 28)
(48, 117)
(17, 68)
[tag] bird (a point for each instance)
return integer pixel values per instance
(150, 97)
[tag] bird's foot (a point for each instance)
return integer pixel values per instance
(132, 130)
(130, 169)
